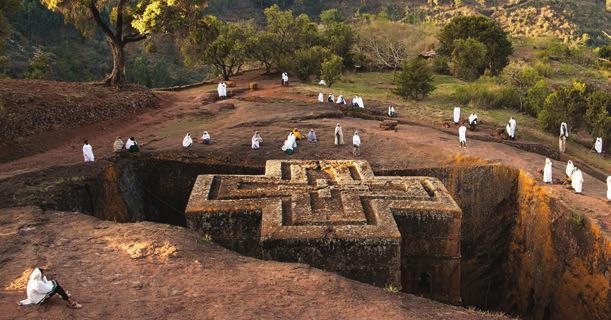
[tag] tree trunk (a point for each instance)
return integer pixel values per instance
(117, 76)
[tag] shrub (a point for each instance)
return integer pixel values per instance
(331, 69)
(415, 80)
(440, 65)
(483, 29)
(488, 95)
(521, 75)
(597, 113)
(535, 97)
(468, 59)
(565, 104)
(306, 62)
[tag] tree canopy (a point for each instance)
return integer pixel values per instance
(483, 29)
(126, 21)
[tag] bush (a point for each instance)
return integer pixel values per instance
(415, 80)
(565, 104)
(331, 69)
(535, 97)
(483, 29)
(597, 113)
(440, 65)
(488, 95)
(521, 75)
(468, 59)
(307, 62)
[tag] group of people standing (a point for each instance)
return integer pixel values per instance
(462, 129)
(290, 144)
(118, 146)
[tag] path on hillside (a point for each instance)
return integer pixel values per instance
(273, 110)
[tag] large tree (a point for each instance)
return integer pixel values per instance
(483, 29)
(127, 21)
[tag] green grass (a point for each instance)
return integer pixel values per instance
(438, 107)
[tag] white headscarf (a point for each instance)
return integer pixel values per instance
(547, 171)
(569, 168)
(38, 288)
(187, 141)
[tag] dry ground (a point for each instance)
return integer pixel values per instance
(100, 261)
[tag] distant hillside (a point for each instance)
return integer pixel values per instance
(565, 19)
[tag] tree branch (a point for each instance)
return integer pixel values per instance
(99, 21)
(119, 26)
(134, 38)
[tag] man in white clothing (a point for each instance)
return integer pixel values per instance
(255, 140)
(339, 135)
(321, 97)
(569, 169)
(598, 145)
(39, 289)
(511, 128)
(361, 103)
(473, 121)
(356, 144)
(462, 136)
(577, 180)
(456, 115)
(547, 171)
(88, 152)
(222, 90)
(206, 138)
(187, 141)
(564, 134)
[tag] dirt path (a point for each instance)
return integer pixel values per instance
(169, 273)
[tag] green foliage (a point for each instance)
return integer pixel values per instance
(565, 104)
(488, 95)
(331, 69)
(597, 113)
(483, 29)
(415, 80)
(440, 65)
(261, 47)
(339, 37)
(468, 59)
(331, 16)
(307, 62)
(604, 52)
(520, 75)
(535, 97)
(226, 51)
(6, 7)
(40, 65)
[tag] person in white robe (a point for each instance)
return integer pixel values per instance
(473, 121)
(285, 79)
(321, 97)
(312, 136)
(187, 141)
(356, 144)
(255, 141)
(131, 145)
(547, 171)
(569, 169)
(331, 98)
(118, 145)
(339, 135)
(39, 289)
(577, 180)
(511, 128)
(88, 152)
(564, 134)
(322, 83)
(340, 100)
(361, 103)
(462, 136)
(598, 145)
(289, 144)
(355, 101)
(456, 115)
(206, 138)
(222, 90)
(609, 188)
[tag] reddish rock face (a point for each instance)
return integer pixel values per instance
(338, 216)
